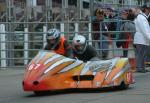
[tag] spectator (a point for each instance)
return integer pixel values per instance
(112, 25)
(134, 11)
(82, 50)
(57, 43)
(98, 27)
(127, 31)
(142, 37)
(147, 57)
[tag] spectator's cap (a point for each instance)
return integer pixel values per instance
(99, 11)
(112, 9)
(124, 11)
(147, 6)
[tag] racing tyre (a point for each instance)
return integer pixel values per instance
(123, 86)
(40, 92)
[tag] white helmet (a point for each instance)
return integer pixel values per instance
(79, 44)
(53, 34)
(53, 37)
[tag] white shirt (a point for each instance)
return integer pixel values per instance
(142, 35)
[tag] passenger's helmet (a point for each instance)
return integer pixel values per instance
(79, 44)
(53, 37)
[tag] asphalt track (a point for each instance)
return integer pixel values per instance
(11, 92)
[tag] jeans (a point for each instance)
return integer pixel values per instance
(104, 45)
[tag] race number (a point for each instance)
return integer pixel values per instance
(34, 66)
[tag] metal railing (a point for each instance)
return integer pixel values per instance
(17, 48)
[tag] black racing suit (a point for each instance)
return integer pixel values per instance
(87, 55)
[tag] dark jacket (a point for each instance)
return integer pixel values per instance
(128, 29)
(97, 27)
(88, 54)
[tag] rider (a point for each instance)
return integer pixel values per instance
(82, 50)
(58, 43)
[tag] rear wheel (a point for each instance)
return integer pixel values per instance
(123, 86)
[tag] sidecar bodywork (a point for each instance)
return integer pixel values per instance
(51, 71)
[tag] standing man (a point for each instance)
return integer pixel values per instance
(142, 37)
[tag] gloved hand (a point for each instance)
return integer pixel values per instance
(76, 58)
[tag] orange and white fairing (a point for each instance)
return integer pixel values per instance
(51, 71)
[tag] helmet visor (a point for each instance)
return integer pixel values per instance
(50, 37)
(79, 47)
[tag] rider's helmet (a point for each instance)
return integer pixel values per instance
(53, 37)
(79, 44)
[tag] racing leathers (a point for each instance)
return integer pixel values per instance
(63, 48)
(90, 54)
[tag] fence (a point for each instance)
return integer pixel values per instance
(20, 41)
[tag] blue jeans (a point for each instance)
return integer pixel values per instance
(104, 45)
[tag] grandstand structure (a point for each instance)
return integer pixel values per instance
(23, 24)
(36, 10)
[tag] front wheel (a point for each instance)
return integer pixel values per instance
(41, 92)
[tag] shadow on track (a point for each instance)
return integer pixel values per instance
(71, 91)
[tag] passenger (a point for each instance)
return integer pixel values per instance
(57, 43)
(142, 37)
(82, 50)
